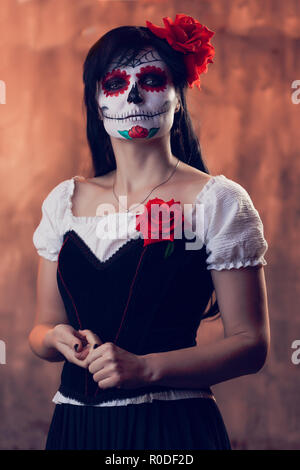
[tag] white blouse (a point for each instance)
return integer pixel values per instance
(229, 226)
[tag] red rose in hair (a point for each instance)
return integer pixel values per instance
(138, 132)
(159, 219)
(191, 38)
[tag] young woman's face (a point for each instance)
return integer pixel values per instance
(137, 101)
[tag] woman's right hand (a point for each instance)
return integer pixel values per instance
(64, 338)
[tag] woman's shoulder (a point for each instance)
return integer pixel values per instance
(65, 189)
(219, 189)
(59, 193)
(205, 187)
(233, 230)
(103, 181)
(59, 198)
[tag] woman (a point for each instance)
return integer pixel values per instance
(120, 299)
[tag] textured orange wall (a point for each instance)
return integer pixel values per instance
(247, 126)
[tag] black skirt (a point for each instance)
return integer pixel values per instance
(184, 424)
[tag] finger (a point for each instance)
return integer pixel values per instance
(96, 353)
(83, 354)
(91, 337)
(95, 364)
(81, 337)
(69, 355)
(108, 383)
(101, 374)
(71, 340)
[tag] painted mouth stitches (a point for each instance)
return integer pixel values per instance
(145, 115)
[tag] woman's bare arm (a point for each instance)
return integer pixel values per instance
(50, 311)
(242, 299)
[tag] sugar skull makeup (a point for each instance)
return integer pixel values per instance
(138, 100)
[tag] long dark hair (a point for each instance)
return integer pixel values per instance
(129, 41)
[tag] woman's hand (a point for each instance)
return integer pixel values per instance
(91, 341)
(112, 366)
(64, 338)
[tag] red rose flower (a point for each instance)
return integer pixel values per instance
(160, 220)
(191, 38)
(137, 132)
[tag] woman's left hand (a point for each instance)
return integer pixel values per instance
(112, 366)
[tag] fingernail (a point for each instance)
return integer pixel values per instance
(96, 345)
(76, 347)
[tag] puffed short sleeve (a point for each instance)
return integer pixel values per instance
(48, 236)
(234, 235)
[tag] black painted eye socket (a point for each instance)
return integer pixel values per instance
(157, 80)
(113, 84)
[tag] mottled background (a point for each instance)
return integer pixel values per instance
(247, 125)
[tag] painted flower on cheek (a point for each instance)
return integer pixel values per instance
(138, 132)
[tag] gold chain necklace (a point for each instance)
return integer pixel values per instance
(127, 210)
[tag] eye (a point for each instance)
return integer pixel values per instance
(150, 78)
(113, 84)
(153, 79)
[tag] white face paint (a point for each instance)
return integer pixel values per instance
(138, 101)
